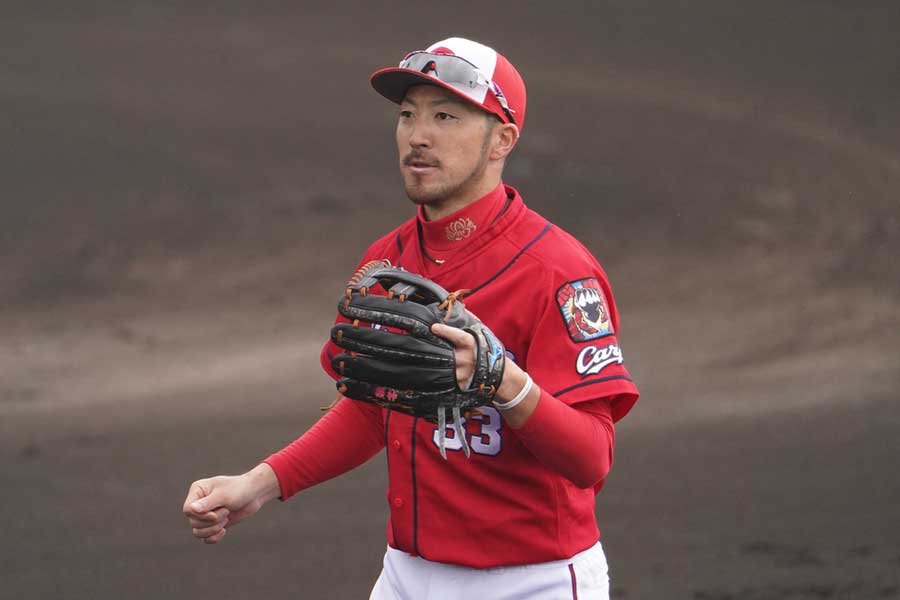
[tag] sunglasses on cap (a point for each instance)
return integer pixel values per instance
(458, 73)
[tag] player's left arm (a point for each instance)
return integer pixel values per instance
(577, 442)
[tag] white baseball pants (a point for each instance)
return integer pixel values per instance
(582, 577)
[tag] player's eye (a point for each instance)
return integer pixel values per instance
(442, 116)
(405, 114)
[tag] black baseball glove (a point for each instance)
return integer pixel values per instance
(393, 359)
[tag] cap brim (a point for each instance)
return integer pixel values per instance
(393, 82)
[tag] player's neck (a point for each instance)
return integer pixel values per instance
(435, 211)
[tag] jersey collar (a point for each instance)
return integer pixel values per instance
(445, 244)
(445, 236)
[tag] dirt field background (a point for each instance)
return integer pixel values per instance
(184, 189)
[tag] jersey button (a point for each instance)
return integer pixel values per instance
(398, 502)
(396, 445)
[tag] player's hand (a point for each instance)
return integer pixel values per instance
(465, 352)
(513, 376)
(216, 503)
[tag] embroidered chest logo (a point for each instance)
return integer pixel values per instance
(584, 310)
(460, 229)
(591, 360)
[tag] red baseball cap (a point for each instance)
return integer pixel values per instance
(470, 70)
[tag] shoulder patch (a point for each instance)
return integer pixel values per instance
(584, 309)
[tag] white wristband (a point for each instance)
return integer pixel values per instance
(529, 383)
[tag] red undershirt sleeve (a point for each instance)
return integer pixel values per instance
(344, 438)
(575, 441)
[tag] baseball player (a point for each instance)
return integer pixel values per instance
(499, 503)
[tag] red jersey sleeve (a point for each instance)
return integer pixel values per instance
(574, 354)
(576, 442)
(347, 436)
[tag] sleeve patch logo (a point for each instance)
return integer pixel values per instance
(584, 309)
(592, 359)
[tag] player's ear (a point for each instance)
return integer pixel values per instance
(505, 137)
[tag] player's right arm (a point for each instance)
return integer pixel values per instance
(346, 437)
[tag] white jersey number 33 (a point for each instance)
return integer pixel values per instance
(486, 442)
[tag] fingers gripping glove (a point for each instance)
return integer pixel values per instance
(413, 371)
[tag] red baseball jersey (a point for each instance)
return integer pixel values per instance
(543, 294)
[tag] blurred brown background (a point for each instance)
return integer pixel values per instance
(186, 185)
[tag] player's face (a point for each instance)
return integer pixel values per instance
(444, 145)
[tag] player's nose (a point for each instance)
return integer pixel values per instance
(420, 137)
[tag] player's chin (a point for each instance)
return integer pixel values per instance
(421, 193)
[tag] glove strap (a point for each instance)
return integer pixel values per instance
(529, 383)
